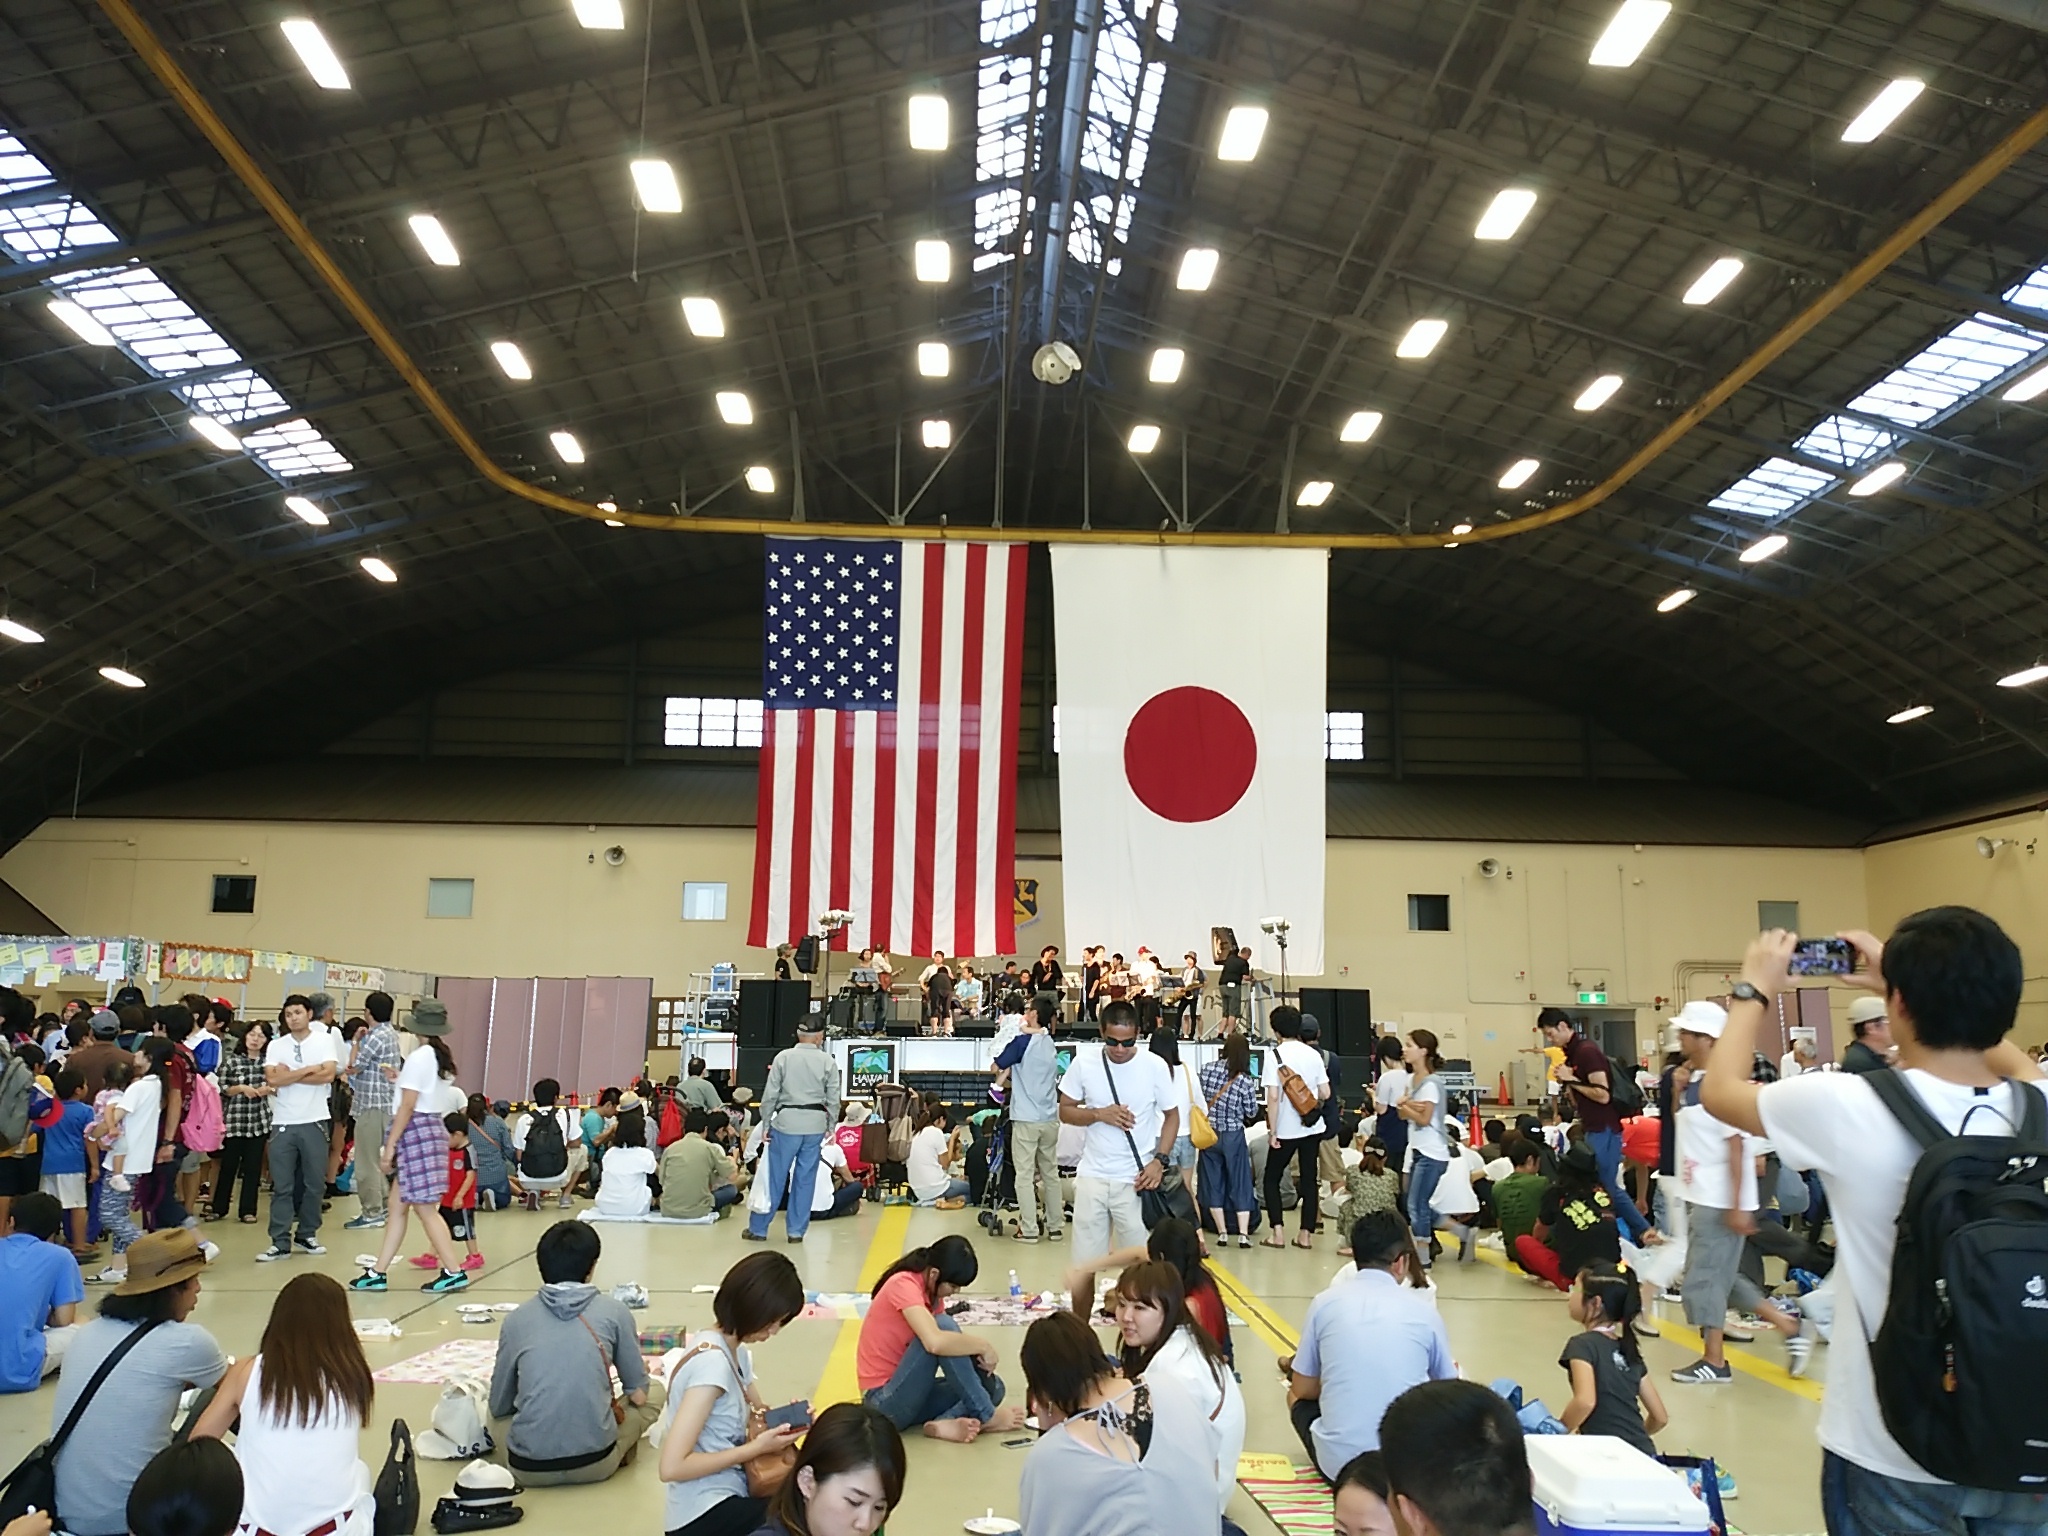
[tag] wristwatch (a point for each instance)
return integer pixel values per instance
(1743, 992)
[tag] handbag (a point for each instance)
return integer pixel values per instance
(1168, 1200)
(604, 1364)
(767, 1472)
(1200, 1131)
(397, 1493)
(1299, 1094)
(33, 1483)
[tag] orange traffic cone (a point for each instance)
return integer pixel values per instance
(1501, 1096)
(1477, 1135)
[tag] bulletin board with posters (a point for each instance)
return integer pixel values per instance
(204, 962)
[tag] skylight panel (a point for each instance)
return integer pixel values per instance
(45, 231)
(1956, 365)
(1773, 488)
(294, 449)
(19, 169)
(1002, 103)
(1846, 441)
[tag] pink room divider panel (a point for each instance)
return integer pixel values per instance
(511, 1040)
(614, 1044)
(508, 1032)
(469, 1022)
(557, 1021)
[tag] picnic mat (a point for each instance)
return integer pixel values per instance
(1296, 1499)
(444, 1362)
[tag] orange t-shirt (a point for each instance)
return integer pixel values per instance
(885, 1333)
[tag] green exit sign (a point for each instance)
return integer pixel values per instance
(1593, 999)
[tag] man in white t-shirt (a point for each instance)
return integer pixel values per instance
(301, 1065)
(1296, 1138)
(1127, 1100)
(1716, 1167)
(1951, 981)
(838, 1192)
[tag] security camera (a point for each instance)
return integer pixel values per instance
(615, 855)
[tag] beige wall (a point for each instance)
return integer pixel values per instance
(1940, 868)
(1556, 918)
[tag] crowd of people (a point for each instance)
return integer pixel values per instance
(1139, 1425)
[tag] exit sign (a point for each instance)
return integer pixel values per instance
(1593, 999)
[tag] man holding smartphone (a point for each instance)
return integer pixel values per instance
(1586, 1074)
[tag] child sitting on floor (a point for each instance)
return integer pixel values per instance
(1612, 1393)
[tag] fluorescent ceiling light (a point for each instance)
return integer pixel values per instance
(81, 324)
(1359, 427)
(1597, 393)
(310, 44)
(601, 15)
(735, 408)
(760, 479)
(1166, 365)
(1883, 111)
(613, 522)
(610, 506)
(1504, 214)
(305, 511)
(655, 181)
(1197, 269)
(703, 316)
(934, 359)
(21, 632)
(1422, 338)
(1314, 493)
(1878, 479)
(567, 449)
(937, 434)
(1517, 474)
(1243, 128)
(1460, 530)
(1765, 547)
(1909, 714)
(929, 122)
(1144, 438)
(122, 676)
(510, 360)
(2026, 389)
(379, 569)
(1629, 33)
(2025, 677)
(1708, 285)
(1671, 602)
(434, 240)
(216, 434)
(933, 260)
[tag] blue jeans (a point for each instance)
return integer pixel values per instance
(1858, 1502)
(727, 1194)
(927, 1386)
(956, 1189)
(1423, 1174)
(789, 1151)
(1606, 1149)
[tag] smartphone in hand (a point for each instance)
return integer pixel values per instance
(796, 1415)
(1822, 957)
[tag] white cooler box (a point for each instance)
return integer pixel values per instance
(1595, 1485)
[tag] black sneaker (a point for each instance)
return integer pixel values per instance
(447, 1280)
(274, 1252)
(370, 1280)
(309, 1245)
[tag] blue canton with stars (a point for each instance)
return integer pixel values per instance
(834, 615)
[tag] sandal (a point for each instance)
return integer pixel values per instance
(1272, 1242)
(1305, 1240)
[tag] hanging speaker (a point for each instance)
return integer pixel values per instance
(806, 958)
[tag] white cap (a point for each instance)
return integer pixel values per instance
(1702, 1018)
(1866, 1010)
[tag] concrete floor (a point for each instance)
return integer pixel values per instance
(1761, 1427)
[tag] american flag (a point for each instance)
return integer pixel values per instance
(889, 744)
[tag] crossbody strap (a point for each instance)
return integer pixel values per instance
(1110, 1078)
(99, 1377)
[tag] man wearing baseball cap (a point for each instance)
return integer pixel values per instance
(130, 1418)
(1871, 1050)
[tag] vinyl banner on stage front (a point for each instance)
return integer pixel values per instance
(1192, 699)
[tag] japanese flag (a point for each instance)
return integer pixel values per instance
(1191, 699)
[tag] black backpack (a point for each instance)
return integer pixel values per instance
(1623, 1091)
(33, 1482)
(546, 1154)
(1964, 1346)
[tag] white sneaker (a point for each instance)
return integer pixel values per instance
(1799, 1350)
(210, 1250)
(110, 1276)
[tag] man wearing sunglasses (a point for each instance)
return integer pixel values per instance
(1126, 1099)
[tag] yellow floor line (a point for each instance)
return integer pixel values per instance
(1247, 1304)
(840, 1383)
(1685, 1338)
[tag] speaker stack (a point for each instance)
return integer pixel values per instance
(1345, 1014)
(770, 1012)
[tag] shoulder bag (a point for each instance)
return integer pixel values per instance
(397, 1493)
(1200, 1131)
(1170, 1197)
(604, 1364)
(1296, 1088)
(33, 1483)
(768, 1471)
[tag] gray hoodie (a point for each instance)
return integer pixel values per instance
(553, 1378)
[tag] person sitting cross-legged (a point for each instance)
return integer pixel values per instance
(40, 1290)
(553, 1373)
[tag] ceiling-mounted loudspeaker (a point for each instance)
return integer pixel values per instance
(615, 855)
(1489, 867)
(1987, 847)
(1055, 363)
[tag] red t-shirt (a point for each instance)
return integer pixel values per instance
(848, 1137)
(1640, 1139)
(885, 1333)
(459, 1165)
(1205, 1305)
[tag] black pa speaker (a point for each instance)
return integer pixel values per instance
(770, 1012)
(806, 958)
(1346, 1016)
(753, 1068)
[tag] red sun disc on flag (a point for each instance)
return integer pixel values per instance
(1189, 754)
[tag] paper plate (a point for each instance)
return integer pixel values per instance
(992, 1525)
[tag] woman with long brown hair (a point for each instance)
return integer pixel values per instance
(847, 1478)
(1166, 1348)
(297, 1408)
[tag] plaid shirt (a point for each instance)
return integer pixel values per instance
(1239, 1102)
(376, 1048)
(241, 1116)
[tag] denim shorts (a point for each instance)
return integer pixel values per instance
(1183, 1152)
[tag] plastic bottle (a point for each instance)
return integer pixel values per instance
(1016, 1290)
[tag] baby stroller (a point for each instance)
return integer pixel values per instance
(997, 1189)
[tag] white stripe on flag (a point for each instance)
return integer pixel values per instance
(994, 761)
(909, 697)
(824, 737)
(786, 813)
(946, 829)
(860, 863)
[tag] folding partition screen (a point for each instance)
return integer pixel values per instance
(508, 1032)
